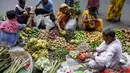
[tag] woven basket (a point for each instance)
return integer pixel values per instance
(25, 55)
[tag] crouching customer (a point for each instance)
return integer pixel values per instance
(47, 9)
(109, 52)
(64, 20)
(9, 29)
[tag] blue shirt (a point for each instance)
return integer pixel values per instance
(47, 7)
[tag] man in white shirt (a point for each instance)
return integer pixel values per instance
(109, 52)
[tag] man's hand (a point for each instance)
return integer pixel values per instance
(89, 50)
(90, 56)
(45, 15)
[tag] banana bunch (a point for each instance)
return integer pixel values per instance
(38, 48)
(115, 9)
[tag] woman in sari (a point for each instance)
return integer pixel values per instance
(90, 20)
(115, 10)
(62, 17)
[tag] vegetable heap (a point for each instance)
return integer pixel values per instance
(74, 54)
(94, 39)
(42, 63)
(45, 35)
(69, 35)
(81, 56)
(94, 44)
(80, 36)
(28, 33)
(59, 42)
(38, 48)
(126, 43)
(120, 34)
(94, 36)
(34, 33)
(71, 47)
(60, 54)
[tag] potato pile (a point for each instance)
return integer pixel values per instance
(43, 34)
(59, 42)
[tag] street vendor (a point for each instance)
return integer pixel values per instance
(9, 29)
(63, 17)
(90, 20)
(22, 16)
(47, 9)
(115, 10)
(109, 52)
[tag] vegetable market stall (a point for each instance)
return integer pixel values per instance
(50, 51)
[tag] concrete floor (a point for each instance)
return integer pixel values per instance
(125, 21)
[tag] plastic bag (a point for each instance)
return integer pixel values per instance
(71, 24)
(64, 68)
(49, 24)
(44, 21)
(38, 20)
(125, 54)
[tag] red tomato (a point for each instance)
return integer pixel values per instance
(82, 56)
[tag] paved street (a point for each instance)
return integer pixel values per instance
(125, 20)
